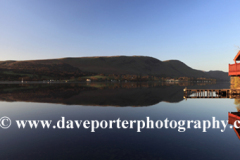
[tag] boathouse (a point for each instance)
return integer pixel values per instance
(234, 69)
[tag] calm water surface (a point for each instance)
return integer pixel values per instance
(101, 101)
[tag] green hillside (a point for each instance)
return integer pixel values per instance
(67, 68)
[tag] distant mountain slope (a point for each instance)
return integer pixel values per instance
(120, 65)
(183, 70)
(187, 71)
(220, 74)
(138, 65)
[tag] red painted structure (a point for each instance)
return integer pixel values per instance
(234, 69)
(232, 117)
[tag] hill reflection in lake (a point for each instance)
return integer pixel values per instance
(81, 143)
(96, 94)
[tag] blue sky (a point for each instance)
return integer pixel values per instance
(204, 34)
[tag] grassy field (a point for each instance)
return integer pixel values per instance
(17, 74)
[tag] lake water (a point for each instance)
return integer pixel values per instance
(110, 101)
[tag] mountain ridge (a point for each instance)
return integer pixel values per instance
(135, 65)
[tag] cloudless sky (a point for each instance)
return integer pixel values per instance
(204, 34)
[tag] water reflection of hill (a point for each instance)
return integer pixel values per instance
(99, 94)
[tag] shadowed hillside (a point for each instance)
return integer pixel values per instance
(220, 74)
(118, 65)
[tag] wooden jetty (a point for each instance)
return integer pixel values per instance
(211, 93)
(233, 70)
